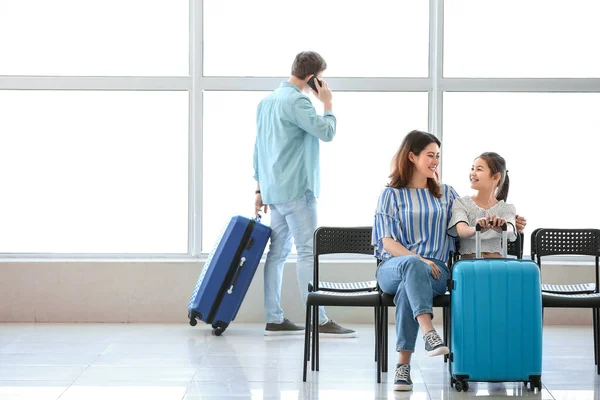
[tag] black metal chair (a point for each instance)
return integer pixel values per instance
(584, 242)
(336, 240)
(578, 288)
(350, 287)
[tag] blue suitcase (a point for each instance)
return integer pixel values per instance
(227, 273)
(496, 321)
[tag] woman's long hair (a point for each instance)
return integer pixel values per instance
(403, 169)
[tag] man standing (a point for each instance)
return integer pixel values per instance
(286, 170)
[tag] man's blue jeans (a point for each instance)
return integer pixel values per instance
(409, 280)
(295, 219)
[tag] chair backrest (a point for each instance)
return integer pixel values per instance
(516, 248)
(584, 242)
(338, 240)
(532, 250)
(550, 241)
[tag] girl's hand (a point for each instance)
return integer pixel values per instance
(484, 223)
(497, 223)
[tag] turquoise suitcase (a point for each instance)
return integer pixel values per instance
(496, 321)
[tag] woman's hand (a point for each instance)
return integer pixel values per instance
(521, 223)
(435, 270)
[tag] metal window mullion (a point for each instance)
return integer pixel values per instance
(113, 83)
(535, 85)
(436, 68)
(195, 138)
(337, 84)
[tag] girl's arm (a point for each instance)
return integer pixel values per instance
(459, 221)
(464, 230)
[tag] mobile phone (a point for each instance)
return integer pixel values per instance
(311, 83)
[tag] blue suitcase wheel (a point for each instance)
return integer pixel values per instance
(536, 383)
(461, 386)
(192, 315)
(218, 328)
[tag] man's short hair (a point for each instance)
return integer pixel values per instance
(308, 63)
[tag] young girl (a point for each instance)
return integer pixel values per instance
(410, 237)
(488, 208)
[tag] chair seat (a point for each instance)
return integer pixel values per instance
(343, 299)
(365, 286)
(387, 300)
(582, 300)
(580, 288)
(443, 300)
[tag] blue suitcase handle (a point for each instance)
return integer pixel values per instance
(504, 228)
(257, 218)
(236, 275)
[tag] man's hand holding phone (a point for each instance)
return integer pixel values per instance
(322, 91)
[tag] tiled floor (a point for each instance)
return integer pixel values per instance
(176, 361)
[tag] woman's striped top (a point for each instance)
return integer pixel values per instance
(416, 219)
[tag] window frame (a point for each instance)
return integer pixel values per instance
(195, 83)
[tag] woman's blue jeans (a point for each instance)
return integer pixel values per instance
(409, 280)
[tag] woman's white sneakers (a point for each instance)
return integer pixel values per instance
(434, 345)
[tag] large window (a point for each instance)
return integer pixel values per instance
(521, 39)
(93, 172)
(549, 141)
(109, 37)
(127, 127)
(354, 166)
(381, 38)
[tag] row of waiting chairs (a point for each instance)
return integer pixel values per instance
(544, 242)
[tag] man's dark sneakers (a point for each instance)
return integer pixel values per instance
(333, 330)
(287, 327)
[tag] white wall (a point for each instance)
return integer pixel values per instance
(159, 292)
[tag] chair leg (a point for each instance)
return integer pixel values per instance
(449, 327)
(595, 327)
(306, 343)
(315, 337)
(378, 342)
(596, 323)
(445, 327)
(444, 323)
(376, 329)
(384, 331)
